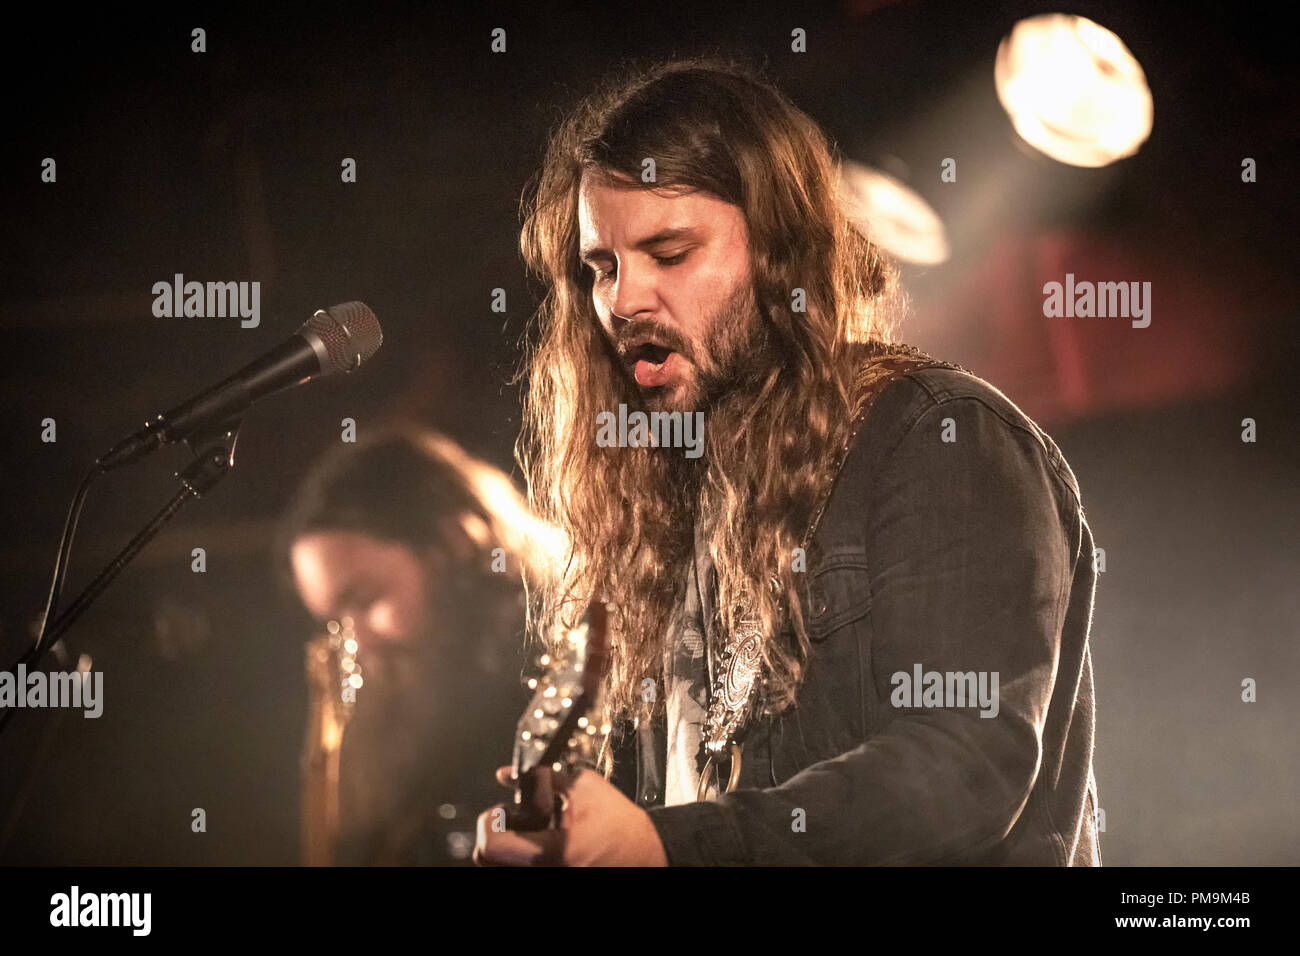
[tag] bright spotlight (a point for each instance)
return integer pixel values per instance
(1073, 90)
(892, 215)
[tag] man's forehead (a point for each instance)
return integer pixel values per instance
(636, 215)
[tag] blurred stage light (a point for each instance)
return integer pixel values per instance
(894, 216)
(1073, 90)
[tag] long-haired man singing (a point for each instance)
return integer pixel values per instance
(852, 626)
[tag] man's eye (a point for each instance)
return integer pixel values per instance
(671, 260)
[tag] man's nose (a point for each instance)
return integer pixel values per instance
(634, 297)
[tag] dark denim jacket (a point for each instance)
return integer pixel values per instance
(970, 555)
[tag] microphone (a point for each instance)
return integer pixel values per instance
(337, 339)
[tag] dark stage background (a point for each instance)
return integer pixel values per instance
(225, 166)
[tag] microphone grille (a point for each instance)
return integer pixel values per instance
(350, 332)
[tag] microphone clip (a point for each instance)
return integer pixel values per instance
(214, 456)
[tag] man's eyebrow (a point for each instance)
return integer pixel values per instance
(649, 242)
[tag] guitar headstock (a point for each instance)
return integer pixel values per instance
(334, 671)
(333, 677)
(560, 728)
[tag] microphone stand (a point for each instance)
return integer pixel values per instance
(214, 456)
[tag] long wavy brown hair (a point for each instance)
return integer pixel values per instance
(630, 514)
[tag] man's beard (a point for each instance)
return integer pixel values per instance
(742, 355)
(739, 352)
(730, 374)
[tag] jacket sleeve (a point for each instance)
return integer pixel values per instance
(970, 560)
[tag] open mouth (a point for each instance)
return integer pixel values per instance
(650, 352)
(651, 363)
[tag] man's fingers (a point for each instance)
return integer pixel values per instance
(505, 776)
(496, 846)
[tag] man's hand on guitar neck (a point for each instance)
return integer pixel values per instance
(601, 828)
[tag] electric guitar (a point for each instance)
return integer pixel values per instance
(333, 676)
